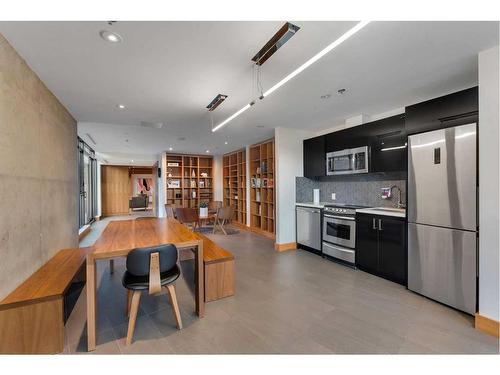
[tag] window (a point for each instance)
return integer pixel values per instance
(87, 182)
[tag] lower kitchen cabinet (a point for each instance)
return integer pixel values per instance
(381, 246)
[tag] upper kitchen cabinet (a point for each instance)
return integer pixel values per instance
(450, 110)
(388, 144)
(314, 157)
(386, 139)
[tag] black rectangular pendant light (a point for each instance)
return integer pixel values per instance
(281, 37)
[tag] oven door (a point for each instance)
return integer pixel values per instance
(340, 230)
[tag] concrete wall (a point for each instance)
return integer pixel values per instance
(288, 153)
(38, 172)
(489, 244)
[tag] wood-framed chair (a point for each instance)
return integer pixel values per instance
(213, 206)
(170, 210)
(223, 216)
(188, 216)
(151, 269)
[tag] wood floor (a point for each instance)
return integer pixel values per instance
(292, 302)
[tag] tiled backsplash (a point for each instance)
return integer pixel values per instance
(364, 190)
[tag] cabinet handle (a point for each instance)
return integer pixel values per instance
(374, 225)
(380, 224)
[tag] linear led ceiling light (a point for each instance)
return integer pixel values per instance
(304, 66)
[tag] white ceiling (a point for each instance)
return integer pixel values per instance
(170, 71)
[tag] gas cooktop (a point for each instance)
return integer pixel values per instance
(345, 205)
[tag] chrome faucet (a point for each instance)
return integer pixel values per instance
(400, 203)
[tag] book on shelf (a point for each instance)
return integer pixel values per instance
(172, 164)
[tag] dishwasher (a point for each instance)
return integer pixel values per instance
(309, 228)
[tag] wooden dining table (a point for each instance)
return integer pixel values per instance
(120, 237)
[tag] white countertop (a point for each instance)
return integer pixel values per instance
(385, 211)
(312, 204)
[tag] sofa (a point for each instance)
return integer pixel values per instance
(140, 201)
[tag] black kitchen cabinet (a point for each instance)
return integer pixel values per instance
(388, 144)
(381, 246)
(450, 110)
(314, 157)
(366, 244)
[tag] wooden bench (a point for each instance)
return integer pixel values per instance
(219, 270)
(32, 317)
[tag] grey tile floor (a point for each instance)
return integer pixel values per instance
(293, 302)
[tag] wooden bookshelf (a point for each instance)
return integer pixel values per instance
(262, 193)
(188, 179)
(235, 184)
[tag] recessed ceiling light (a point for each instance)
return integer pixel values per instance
(121, 106)
(326, 96)
(207, 151)
(110, 36)
(132, 161)
(225, 143)
(170, 149)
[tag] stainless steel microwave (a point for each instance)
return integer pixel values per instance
(349, 161)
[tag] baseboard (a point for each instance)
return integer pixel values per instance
(285, 246)
(487, 325)
(83, 232)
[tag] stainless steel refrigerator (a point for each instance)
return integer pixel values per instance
(442, 216)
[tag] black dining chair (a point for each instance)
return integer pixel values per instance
(151, 269)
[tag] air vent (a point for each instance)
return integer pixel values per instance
(216, 102)
(276, 42)
(154, 125)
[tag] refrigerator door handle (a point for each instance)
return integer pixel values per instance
(380, 224)
(374, 225)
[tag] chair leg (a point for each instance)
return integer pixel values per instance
(111, 265)
(175, 306)
(129, 301)
(215, 226)
(136, 297)
(222, 226)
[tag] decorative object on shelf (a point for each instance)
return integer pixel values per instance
(270, 183)
(193, 183)
(203, 209)
(202, 184)
(263, 167)
(204, 174)
(257, 171)
(193, 194)
(257, 196)
(178, 195)
(172, 164)
(193, 174)
(173, 184)
(264, 182)
(257, 182)
(252, 182)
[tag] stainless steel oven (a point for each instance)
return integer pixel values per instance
(349, 161)
(339, 232)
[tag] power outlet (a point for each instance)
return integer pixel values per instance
(333, 196)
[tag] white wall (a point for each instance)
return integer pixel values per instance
(488, 184)
(289, 164)
(217, 177)
(160, 183)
